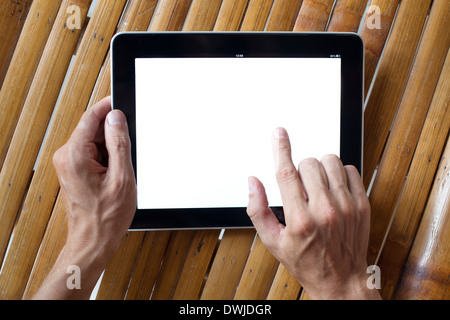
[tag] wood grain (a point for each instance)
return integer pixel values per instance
(170, 15)
(12, 19)
(283, 15)
(427, 270)
(391, 80)
(177, 251)
(411, 204)
(228, 265)
(23, 64)
(230, 15)
(49, 251)
(258, 273)
(148, 265)
(33, 121)
(255, 18)
(408, 123)
(119, 270)
(375, 39)
(203, 15)
(314, 15)
(44, 186)
(196, 265)
(347, 15)
(284, 286)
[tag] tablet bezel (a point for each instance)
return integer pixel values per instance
(128, 46)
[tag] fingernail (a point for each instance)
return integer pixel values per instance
(115, 118)
(279, 133)
(251, 186)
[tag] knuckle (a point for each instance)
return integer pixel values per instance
(364, 206)
(60, 159)
(330, 158)
(120, 143)
(351, 168)
(308, 164)
(286, 174)
(329, 215)
(251, 211)
(304, 229)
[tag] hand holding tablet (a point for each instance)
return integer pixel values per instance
(327, 212)
(201, 108)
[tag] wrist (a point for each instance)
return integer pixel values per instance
(353, 288)
(74, 274)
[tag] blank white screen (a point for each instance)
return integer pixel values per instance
(203, 125)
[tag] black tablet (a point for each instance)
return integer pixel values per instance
(202, 108)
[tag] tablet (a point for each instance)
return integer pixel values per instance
(202, 108)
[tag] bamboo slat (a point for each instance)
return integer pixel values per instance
(23, 65)
(314, 15)
(284, 286)
(44, 186)
(35, 116)
(408, 123)
(409, 209)
(228, 265)
(12, 19)
(258, 273)
(116, 277)
(347, 15)
(230, 15)
(170, 15)
(427, 270)
(196, 265)
(172, 266)
(148, 265)
(391, 79)
(255, 18)
(48, 252)
(202, 15)
(283, 15)
(374, 38)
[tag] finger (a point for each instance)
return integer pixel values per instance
(337, 177)
(314, 179)
(89, 125)
(263, 218)
(358, 193)
(354, 182)
(291, 189)
(117, 140)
